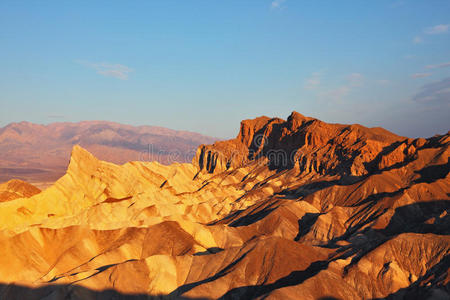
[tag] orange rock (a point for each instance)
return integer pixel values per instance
(353, 213)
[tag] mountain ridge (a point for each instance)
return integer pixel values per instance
(38, 153)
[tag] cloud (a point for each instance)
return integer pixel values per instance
(277, 4)
(433, 30)
(336, 95)
(438, 29)
(110, 70)
(314, 81)
(420, 75)
(409, 56)
(437, 92)
(355, 79)
(438, 66)
(417, 40)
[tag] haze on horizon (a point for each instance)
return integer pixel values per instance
(203, 66)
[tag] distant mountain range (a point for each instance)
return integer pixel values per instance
(40, 153)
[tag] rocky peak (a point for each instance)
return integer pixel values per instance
(310, 144)
(249, 128)
(82, 160)
(295, 120)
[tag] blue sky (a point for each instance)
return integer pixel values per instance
(205, 65)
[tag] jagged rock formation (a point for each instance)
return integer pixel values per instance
(296, 209)
(314, 146)
(39, 153)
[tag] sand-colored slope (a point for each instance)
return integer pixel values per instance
(357, 213)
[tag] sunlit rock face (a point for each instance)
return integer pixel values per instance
(295, 209)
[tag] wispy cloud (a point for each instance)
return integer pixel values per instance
(277, 4)
(107, 69)
(437, 92)
(430, 67)
(438, 66)
(336, 95)
(438, 29)
(417, 40)
(355, 79)
(314, 81)
(433, 30)
(420, 75)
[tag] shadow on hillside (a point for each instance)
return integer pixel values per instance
(74, 292)
(238, 218)
(428, 174)
(423, 217)
(305, 224)
(223, 272)
(429, 286)
(258, 213)
(433, 173)
(294, 278)
(413, 218)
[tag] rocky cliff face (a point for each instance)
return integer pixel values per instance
(310, 145)
(295, 209)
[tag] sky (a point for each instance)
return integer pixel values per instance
(204, 66)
